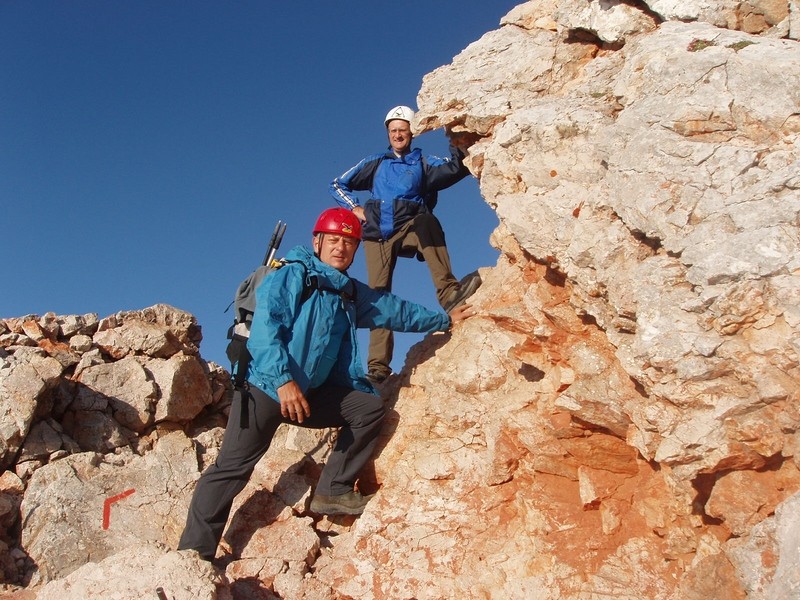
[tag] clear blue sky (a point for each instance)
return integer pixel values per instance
(147, 148)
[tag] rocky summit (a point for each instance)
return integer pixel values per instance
(620, 420)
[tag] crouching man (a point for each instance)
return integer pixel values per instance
(306, 370)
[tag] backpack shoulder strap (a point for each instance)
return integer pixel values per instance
(313, 284)
(348, 294)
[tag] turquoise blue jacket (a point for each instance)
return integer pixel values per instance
(289, 331)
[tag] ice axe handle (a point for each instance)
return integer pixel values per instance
(274, 242)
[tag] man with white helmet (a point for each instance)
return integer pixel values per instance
(399, 222)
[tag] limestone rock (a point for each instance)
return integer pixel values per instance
(648, 293)
(270, 544)
(86, 507)
(610, 21)
(767, 558)
(123, 388)
(137, 572)
(22, 382)
(183, 387)
(44, 439)
(770, 17)
(158, 331)
(636, 179)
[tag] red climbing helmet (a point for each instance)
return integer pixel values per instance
(338, 221)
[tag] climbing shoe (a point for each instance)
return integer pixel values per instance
(377, 377)
(466, 288)
(351, 503)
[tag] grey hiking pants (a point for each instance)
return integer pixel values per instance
(358, 414)
(422, 235)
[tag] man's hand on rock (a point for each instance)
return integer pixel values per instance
(465, 311)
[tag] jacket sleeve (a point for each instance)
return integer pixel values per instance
(377, 309)
(358, 178)
(277, 305)
(441, 173)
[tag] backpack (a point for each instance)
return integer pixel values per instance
(244, 305)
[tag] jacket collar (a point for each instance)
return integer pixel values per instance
(331, 277)
(412, 157)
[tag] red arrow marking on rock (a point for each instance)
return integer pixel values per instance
(107, 505)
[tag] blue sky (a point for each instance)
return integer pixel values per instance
(147, 148)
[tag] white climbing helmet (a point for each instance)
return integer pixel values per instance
(399, 112)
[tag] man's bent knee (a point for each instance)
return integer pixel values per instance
(428, 230)
(371, 410)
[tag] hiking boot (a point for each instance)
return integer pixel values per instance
(378, 377)
(466, 288)
(351, 503)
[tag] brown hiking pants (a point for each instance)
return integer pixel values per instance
(423, 235)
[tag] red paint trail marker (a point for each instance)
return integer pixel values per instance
(109, 501)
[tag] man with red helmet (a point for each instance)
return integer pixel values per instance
(306, 370)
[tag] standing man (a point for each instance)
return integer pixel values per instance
(398, 221)
(305, 369)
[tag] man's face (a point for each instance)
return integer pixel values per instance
(399, 135)
(337, 251)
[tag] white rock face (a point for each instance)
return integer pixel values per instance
(611, 21)
(637, 355)
(139, 572)
(89, 425)
(106, 505)
(661, 179)
(770, 17)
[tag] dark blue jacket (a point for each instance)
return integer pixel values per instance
(289, 335)
(401, 188)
